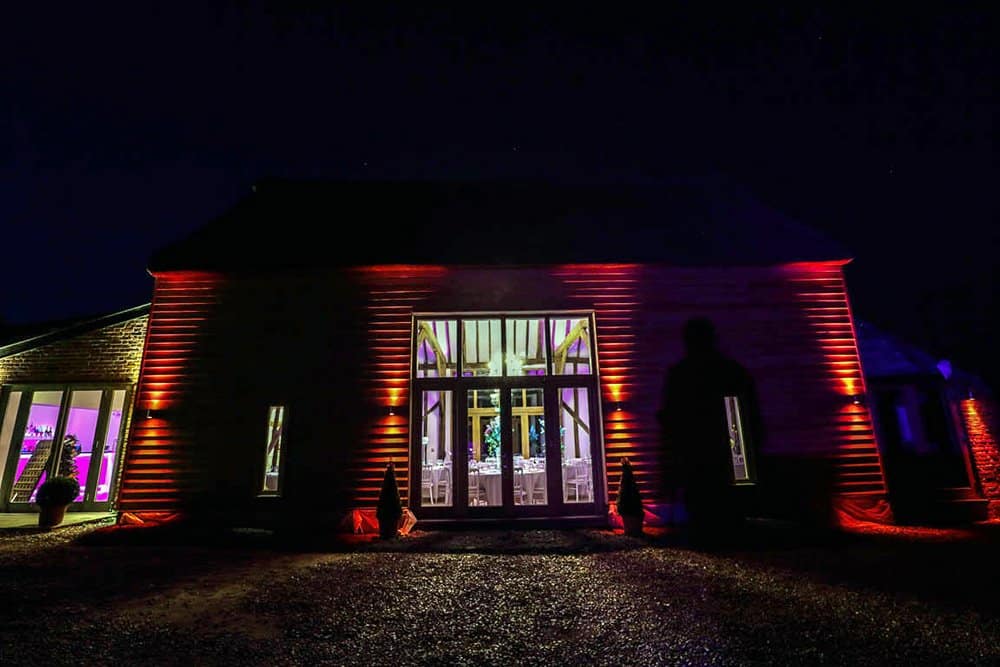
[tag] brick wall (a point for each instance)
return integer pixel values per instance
(980, 416)
(108, 355)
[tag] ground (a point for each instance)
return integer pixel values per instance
(84, 595)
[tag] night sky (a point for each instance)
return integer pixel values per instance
(127, 125)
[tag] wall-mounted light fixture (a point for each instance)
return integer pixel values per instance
(392, 410)
(972, 396)
(618, 406)
(857, 399)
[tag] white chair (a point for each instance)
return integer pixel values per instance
(538, 495)
(427, 485)
(443, 486)
(519, 486)
(577, 480)
(475, 490)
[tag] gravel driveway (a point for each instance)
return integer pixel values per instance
(504, 597)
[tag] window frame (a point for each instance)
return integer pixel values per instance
(28, 390)
(262, 490)
(460, 384)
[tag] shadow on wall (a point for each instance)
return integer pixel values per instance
(709, 448)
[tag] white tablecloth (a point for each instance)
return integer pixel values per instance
(533, 479)
(490, 481)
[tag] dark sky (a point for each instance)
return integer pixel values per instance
(127, 125)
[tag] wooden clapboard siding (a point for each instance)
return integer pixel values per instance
(161, 463)
(790, 326)
(392, 294)
(614, 293)
(335, 347)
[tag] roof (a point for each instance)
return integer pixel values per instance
(886, 355)
(301, 224)
(26, 337)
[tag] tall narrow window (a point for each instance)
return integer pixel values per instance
(737, 443)
(436, 448)
(79, 436)
(36, 445)
(273, 451)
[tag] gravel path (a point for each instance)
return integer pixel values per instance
(525, 598)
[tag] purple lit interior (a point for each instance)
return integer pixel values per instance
(570, 434)
(81, 422)
(577, 349)
(432, 423)
(42, 418)
(426, 359)
(108, 457)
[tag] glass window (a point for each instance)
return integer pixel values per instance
(437, 342)
(112, 438)
(737, 447)
(79, 436)
(574, 445)
(36, 446)
(483, 423)
(436, 448)
(273, 450)
(525, 347)
(7, 429)
(482, 354)
(528, 436)
(571, 346)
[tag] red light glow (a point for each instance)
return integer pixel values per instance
(822, 294)
(153, 480)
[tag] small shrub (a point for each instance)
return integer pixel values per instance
(58, 491)
(629, 498)
(390, 507)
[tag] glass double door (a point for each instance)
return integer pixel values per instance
(72, 432)
(528, 451)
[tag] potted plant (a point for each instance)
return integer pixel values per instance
(629, 503)
(54, 496)
(389, 511)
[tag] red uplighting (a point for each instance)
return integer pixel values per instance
(822, 295)
(152, 480)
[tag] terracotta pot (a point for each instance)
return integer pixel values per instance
(50, 516)
(633, 525)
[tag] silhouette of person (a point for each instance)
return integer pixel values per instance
(696, 434)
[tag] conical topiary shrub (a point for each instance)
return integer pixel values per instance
(629, 500)
(390, 507)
